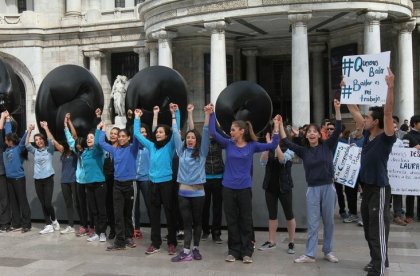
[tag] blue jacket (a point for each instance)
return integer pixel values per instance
(160, 159)
(90, 163)
(42, 160)
(13, 160)
(124, 158)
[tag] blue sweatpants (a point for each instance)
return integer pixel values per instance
(320, 204)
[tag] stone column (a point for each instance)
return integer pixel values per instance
(251, 63)
(93, 13)
(404, 98)
(95, 62)
(73, 7)
(165, 47)
(372, 38)
(218, 77)
(318, 90)
(300, 68)
(153, 59)
(142, 52)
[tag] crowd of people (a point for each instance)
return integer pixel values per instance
(103, 176)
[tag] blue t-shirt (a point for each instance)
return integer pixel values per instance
(374, 159)
(68, 168)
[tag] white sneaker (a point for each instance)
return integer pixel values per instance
(102, 237)
(331, 258)
(68, 230)
(47, 229)
(304, 259)
(93, 238)
(56, 225)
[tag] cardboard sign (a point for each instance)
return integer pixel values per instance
(404, 171)
(364, 78)
(346, 164)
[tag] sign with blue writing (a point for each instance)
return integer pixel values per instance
(346, 164)
(364, 78)
(404, 171)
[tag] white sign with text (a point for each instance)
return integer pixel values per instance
(346, 164)
(404, 171)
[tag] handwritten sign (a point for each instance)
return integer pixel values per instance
(404, 171)
(346, 164)
(364, 78)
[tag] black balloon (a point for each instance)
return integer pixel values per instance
(69, 89)
(9, 88)
(157, 86)
(244, 100)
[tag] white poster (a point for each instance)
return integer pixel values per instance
(364, 78)
(404, 171)
(347, 164)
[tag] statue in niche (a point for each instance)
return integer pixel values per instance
(119, 90)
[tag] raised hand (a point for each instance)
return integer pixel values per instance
(31, 127)
(138, 113)
(98, 112)
(156, 109)
(190, 108)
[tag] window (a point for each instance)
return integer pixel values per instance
(21, 6)
(120, 3)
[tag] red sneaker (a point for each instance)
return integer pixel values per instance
(171, 249)
(152, 250)
(137, 234)
(82, 231)
(91, 231)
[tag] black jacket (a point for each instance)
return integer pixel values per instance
(278, 176)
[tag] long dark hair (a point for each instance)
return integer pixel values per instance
(196, 152)
(249, 134)
(168, 132)
(42, 136)
(16, 140)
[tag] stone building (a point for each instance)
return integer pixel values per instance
(290, 47)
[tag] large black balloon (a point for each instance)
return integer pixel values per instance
(69, 89)
(9, 88)
(157, 86)
(244, 100)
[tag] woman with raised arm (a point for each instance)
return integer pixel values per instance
(191, 178)
(43, 175)
(124, 156)
(161, 193)
(68, 178)
(317, 157)
(4, 197)
(89, 174)
(237, 181)
(13, 158)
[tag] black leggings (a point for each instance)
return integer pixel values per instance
(191, 209)
(71, 199)
(271, 199)
(44, 190)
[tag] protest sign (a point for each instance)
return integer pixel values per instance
(364, 78)
(404, 171)
(347, 164)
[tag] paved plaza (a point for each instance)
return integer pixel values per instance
(68, 255)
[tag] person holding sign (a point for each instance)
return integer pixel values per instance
(379, 138)
(317, 157)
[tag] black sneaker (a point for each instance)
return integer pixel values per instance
(291, 249)
(25, 229)
(114, 247)
(180, 235)
(14, 229)
(368, 267)
(130, 243)
(4, 228)
(205, 236)
(217, 239)
(267, 245)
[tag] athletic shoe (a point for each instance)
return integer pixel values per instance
(409, 220)
(351, 218)
(360, 222)
(152, 250)
(368, 267)
(56, 225)
(67, 230)
(344, 215)
(230, 258)
(196, 254)
(304, 259)
(4, 228)
(171, 249)
(93, 238)
(182, 257)
(331, 258)
(47, 229)
(130, 243)
(102, 237)
(25, 229)
(14, 229)
(91, 232)
(137, 234)
(205, 236)
(247, 260)
(165, 238)
(82, 232)
(217, 239)
(114, 247)
(400, 221)
(180, 235)
(291, 249)
(266, 246)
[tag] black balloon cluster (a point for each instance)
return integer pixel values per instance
(69, 89)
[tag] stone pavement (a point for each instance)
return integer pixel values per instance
(55, 254)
